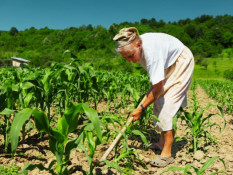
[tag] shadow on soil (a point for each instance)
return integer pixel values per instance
(153, 137)
(33, 144)
(99, 172)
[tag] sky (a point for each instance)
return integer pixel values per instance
(61, 14)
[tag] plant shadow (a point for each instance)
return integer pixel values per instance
(99, 172)
(32, 143)
(29, 158)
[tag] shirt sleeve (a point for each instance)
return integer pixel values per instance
(156, 71)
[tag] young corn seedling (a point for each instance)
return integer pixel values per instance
(59, 141)
(201, 171)
(198, 124)
(140, 127)
(124, 156)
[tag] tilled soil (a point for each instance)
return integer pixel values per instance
(36, 150)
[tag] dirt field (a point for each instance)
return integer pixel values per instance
(36, 150)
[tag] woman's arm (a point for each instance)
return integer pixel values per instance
(152, 95)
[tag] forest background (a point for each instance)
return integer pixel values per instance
(209, 38)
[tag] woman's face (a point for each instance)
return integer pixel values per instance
(133, 52)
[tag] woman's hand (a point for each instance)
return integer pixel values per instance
(136, 114)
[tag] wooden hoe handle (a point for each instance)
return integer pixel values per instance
(119, 135)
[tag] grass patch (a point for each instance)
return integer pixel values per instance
(216, 66)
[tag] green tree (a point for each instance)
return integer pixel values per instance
(13, 31)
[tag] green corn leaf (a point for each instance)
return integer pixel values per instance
(89, 127)
(186, 168)
(111, 119)
(207, 107)
(196, 170)
(26, 85)
(222, 115)
(7, 112)
(73, 144)
(81, 70)
(57, 141)
(41, 121)
(70, 118)
(188, 115)
(69, 74)
(123, 155)
(57, 135)
(219, 172)
(155, 118)
(93, 116)
(210, 162)
(135, 95)
(14, 87)
(91, 144)
(199, 117)
(59, 125)
(179, 139)
(143, 137)
(47, 80)
(209, 116)
(173, 169)
(19, 120)
(27, 99)
(90, 139)
(113, 165)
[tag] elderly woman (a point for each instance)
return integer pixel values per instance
(170, 65)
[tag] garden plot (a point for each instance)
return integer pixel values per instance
(35, 149)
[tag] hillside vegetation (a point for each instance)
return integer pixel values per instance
(217, 67)
(206, 36)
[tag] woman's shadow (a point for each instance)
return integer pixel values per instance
(153, 137)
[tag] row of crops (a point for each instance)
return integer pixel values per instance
(56, 100)
(62, 84)
(221, 91)
(61, 102)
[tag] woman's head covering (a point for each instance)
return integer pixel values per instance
(126, 36)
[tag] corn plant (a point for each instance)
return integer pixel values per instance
(198, 124)
(17, 92)
(123, 153)
(140, 127)
(6, 126)
(221, 91)
(59, 142)
(201, 171)
(125, 156)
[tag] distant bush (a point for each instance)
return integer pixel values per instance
(228, 74)
(202, 61)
